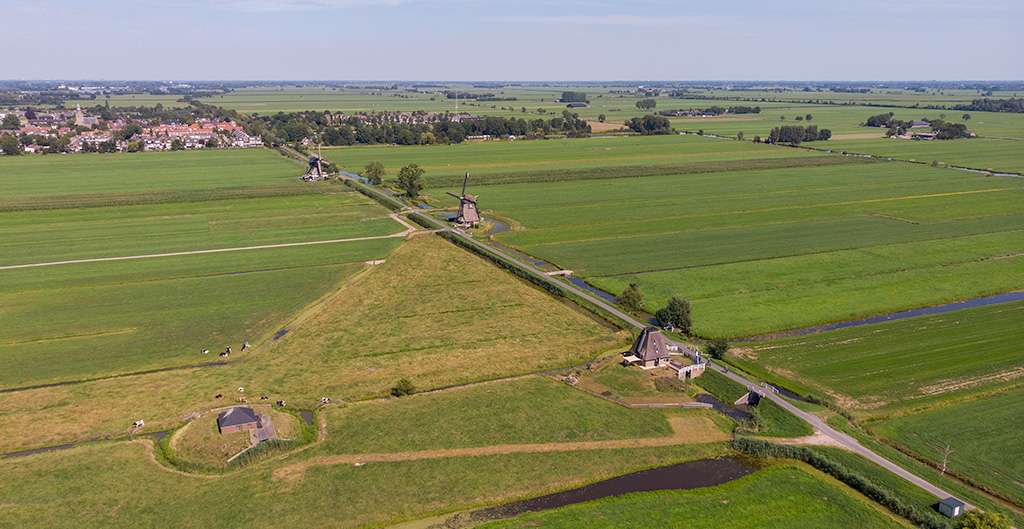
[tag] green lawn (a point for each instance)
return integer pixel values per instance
(899, 363)
(763, 250)
(784, 497)
(773, 420)
(534, 410)
(984, 435)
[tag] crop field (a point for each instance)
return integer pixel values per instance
(783, 497)
(27, 181)
(879, 368)
(983, 435)
(765, 250)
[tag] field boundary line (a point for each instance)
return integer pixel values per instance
(403, 233)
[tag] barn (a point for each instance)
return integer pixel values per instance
(238, 419)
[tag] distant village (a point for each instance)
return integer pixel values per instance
(69, 131)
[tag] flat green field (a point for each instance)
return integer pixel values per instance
(783, 497)
(138, 100)
(503, 157)
(534, 410)
(984, 436)
(23, 178)
(976, 153)
(73, 233)
(90, 320)
(899, 364)
(764, 250)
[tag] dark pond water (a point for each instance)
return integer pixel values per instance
(279, 334)
(307, 416)
(45, 449)
(592, 289)
(924, 311)
(691, 475)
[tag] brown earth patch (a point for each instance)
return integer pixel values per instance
(597, 126)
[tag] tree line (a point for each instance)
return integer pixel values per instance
(294, 127)
(796, 134)
(1013, 104)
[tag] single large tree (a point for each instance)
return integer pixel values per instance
(374, 172)
(410, 179)
(631, 298)
(11, 122)
(646, 104)
(677, 314)
(9, 144)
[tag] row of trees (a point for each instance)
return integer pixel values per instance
(796, 134)
(290, 128)
(1013, 104)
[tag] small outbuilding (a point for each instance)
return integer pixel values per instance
(238, 419)
(650, 349)
(951, 507)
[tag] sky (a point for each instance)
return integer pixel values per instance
(499, 40)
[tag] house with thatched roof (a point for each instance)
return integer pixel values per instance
(650, 350)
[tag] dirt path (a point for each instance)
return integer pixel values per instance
(684, 431)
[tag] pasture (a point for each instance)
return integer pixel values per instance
(772, 249)
(976, 153)
(486, 159)
(887, 367)
(432, 313)
(783, 497)
(38, 181)
(983, 436)
(100, 487)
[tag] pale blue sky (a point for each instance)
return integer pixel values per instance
(512, 40)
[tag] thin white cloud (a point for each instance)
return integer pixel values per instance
(637, 21)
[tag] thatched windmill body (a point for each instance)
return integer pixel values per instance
(468, 215)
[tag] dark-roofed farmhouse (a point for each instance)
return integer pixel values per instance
(649, 350)
(237, 419)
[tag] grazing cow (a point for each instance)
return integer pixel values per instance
(280, 403)
(217, 396)
(206, 351)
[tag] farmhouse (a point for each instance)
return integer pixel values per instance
(238, 419)
(650, 350)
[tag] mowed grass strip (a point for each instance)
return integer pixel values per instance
(56, 235)
(531, 410)
(118, 174)
(897, 364)
(977, 153)
(983, 436)
(783, 497)
(100, 319)
(438, 316)
(101, 487)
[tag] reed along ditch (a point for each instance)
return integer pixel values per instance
(682, 476)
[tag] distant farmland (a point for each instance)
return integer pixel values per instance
(770, 249)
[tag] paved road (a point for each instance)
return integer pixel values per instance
(408, 229)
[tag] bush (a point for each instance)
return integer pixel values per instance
(716, 348)
(403, 388)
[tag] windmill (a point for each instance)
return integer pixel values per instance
(468, 215)
(315, 170)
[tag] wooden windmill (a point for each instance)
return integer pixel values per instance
(315, 170)
(468, 215)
